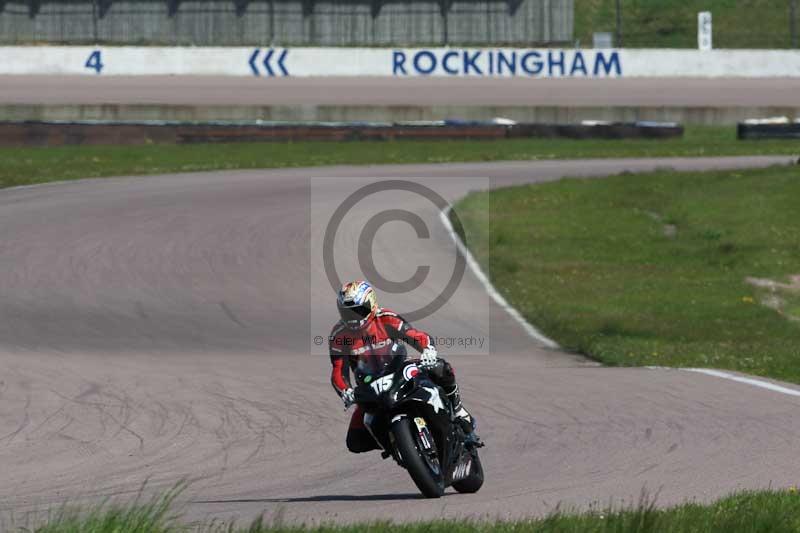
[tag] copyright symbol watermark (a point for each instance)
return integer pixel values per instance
(392, 233)
(366, 241)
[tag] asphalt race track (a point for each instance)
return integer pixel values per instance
(377, 91)
(159, 328)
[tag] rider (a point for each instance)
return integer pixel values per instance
(366, 339)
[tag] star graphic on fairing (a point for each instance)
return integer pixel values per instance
(435, 400)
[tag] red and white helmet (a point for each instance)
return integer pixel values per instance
(357, 304)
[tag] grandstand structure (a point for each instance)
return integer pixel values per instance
(288, 22)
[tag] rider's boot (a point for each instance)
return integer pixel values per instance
(465, 419)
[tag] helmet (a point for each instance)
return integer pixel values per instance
(357, 304)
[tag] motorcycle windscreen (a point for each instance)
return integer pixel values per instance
(381, 360)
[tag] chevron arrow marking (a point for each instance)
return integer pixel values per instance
(281, 59)
(252, 62)
(267, 58)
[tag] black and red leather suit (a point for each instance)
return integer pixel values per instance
(368, 350)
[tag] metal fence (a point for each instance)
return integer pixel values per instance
(287, 22)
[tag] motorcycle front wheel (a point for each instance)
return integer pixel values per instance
(428, 479)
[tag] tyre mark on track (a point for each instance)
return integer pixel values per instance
(231, 315)
(22, 425)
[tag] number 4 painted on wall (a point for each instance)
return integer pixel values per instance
(95, 61)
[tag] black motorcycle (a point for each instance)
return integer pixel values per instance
(413, 421)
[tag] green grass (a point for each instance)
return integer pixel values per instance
(154, 516)
(767, 511)
(24, 166)
(595, 265)
(673, 23)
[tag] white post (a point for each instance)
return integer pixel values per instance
(704, 41)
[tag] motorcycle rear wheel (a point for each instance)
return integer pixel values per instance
(429, 483)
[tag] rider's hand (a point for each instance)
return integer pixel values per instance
(428, 357)
(348, 398)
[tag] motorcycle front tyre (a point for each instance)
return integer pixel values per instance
(429, 484)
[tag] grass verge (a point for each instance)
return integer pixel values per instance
(673, 23)
(155, 516)
(653, 269)
(746, 512)
(25, 166)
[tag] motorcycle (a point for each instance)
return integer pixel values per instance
(413, 421)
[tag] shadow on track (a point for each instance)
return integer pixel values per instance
(322, 498)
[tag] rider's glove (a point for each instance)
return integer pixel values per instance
(428, 357)
(348, 398)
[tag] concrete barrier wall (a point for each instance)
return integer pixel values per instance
(467, 62)
(287, 22)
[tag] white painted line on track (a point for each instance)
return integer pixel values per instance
(750, 381)
(444, 215)
(755, 382)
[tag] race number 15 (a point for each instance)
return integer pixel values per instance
(95, 61)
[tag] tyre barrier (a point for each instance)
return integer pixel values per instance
(58, 133)
(749, 131)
